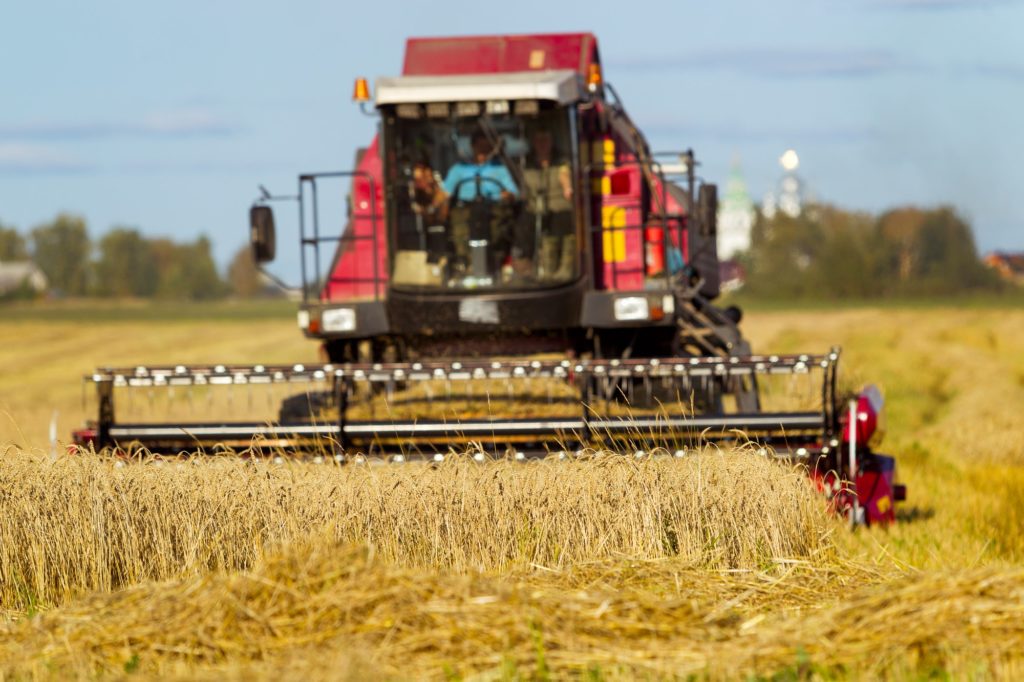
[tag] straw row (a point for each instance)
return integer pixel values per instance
(326, 611)
(86, 524)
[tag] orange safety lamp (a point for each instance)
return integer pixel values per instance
(594, 76)
(361, 91)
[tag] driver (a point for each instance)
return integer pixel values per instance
(498, 183)
(484, 177)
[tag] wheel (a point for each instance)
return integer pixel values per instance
(304, 407)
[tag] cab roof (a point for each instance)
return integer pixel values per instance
(563, 86)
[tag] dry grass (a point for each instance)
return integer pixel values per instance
(87, 524)
(42, 362)
(589, 585)
(324, 611)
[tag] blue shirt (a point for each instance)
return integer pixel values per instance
(488, 189)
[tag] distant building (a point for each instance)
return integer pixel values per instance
(735, 216)
(1010, 266)
(15, 275)
(790, 196)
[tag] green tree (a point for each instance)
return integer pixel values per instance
(949, 254)
(783, 257)
(187, 271)
(243, 275)
(62, 251)
(12, 244)
(206, 281)
(933, 252)
(126, 265)
(850, 264)
(827, 252)
(898, 232)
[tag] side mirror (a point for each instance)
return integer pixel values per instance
(261, 233)
(707, 209)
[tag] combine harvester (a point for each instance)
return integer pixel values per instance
(517, 274)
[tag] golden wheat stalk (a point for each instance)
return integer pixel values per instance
(87, 524)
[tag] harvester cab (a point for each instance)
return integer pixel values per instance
(508, 203)
(515, 272)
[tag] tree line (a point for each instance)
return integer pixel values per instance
(827, 252)
(124, 263)
(824, 252)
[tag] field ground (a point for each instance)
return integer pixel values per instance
(941, 594)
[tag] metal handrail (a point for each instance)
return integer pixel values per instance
(316, 239)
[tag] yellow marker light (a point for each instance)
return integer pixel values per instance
(361, 91)
(608, 151)
(594, 77)
(613, 222)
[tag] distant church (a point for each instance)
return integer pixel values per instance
(735, 216)
(791, 195)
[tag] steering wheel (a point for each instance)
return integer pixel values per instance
(479, 194)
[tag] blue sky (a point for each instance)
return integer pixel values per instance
(166, 116)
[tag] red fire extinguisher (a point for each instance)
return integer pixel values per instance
(654, 250)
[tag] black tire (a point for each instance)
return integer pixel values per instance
(304, 407)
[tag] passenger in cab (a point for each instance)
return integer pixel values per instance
(547, 223)
(430, 210)
(429, 197)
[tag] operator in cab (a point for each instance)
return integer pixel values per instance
(480, 192)
(495, 179)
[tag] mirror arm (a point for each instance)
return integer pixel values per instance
(278, 282)
(267, 198)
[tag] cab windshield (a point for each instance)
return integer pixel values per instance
(481, 200)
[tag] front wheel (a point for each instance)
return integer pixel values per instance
(304, 407)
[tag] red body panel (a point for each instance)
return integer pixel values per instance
(619, 249)
(876, 489)
(866, 423)
(499, 54)
(353, 272)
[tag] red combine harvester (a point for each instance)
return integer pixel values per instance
(515, 272)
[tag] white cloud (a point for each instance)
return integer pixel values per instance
(165, 123)
(30, 158)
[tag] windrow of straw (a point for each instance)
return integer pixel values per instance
(325, 611)
(81, 524)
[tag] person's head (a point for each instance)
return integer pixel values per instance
(542, 143)
(481, 145)
(422, 174)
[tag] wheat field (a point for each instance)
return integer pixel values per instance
(721, 565)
